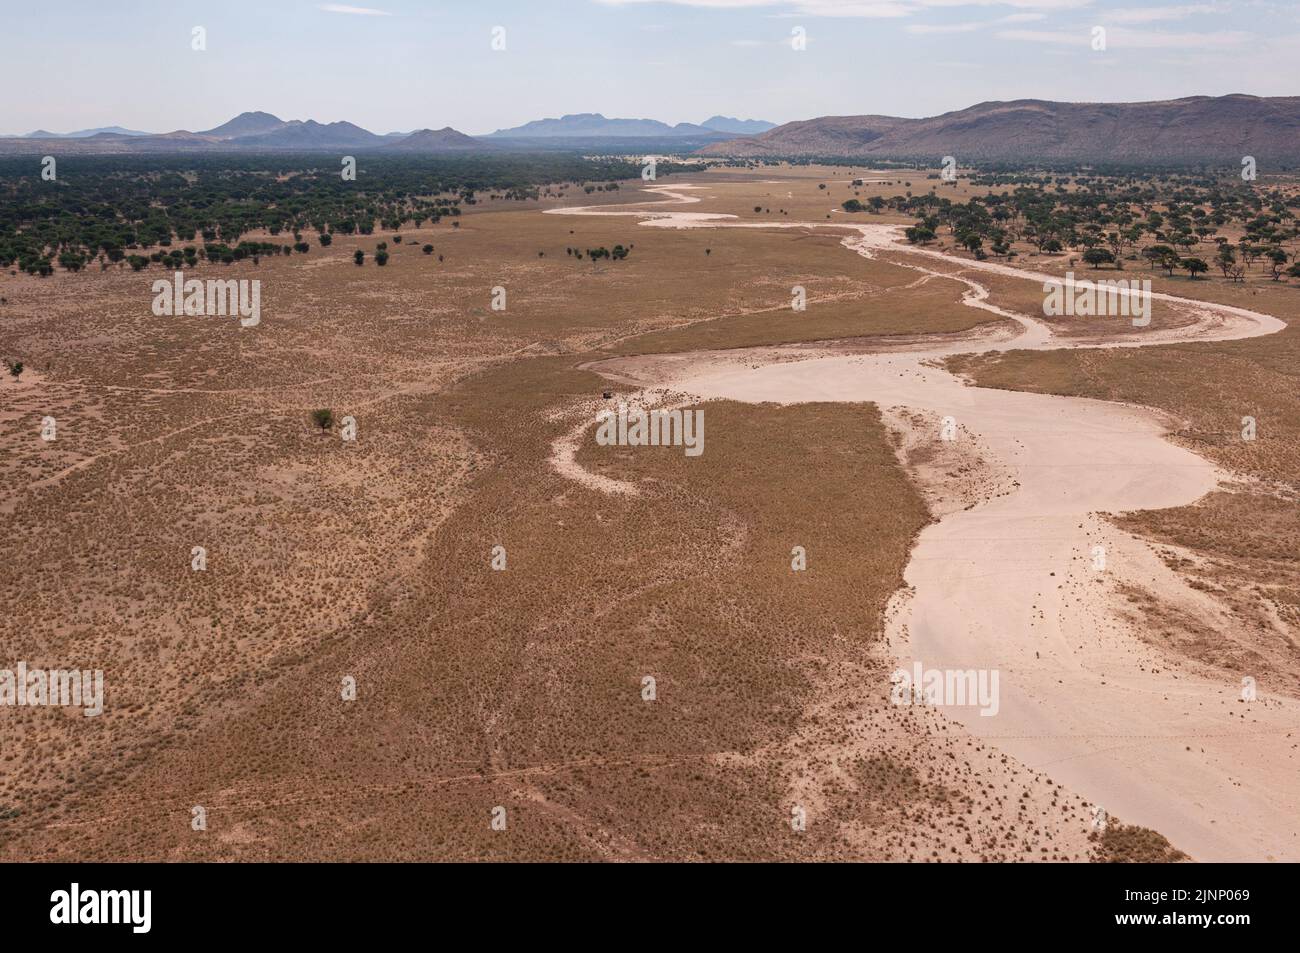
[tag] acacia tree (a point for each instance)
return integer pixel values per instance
(1277, 260)
(323, 418)
(1163, 256)
(1226, 259)
(1098, 256)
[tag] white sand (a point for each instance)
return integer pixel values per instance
(1009, 583)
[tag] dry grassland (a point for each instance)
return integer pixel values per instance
(476, 688)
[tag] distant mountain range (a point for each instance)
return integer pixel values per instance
(251, 131)
(740, 127)
(1220, 129)
(596, 126)
(1198, 128)
(246, 124)
(308, 135)
(262, 131)
(83, 133)
(445, 139)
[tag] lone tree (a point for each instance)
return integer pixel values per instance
(1162, 256)
(427, 249)
(15, 368)
(1277, 260)
(323, 418)
(1098, 256)
(1194, 266)
(359, 256)
(381, 258)
(1226, 259)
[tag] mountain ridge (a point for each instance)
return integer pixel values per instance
(596, 125)
(742, 127)
(1192, 128)
(445, 139)
(254, 131)
(83, 133)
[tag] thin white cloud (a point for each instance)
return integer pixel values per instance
(928, 28)
(971, 26)
(1017, 4)
(1158, 14)
(354, 11)
(716, 4)
(852, 8)
(857, 8)
(1119, 38)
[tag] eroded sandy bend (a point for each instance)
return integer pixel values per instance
(1009, 583)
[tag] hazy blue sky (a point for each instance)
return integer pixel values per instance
(403, 64)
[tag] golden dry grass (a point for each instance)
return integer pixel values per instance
(475, 688)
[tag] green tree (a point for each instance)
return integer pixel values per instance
(1226, 259)
(323, 418)
(1162, 256)
(1277, 260)
(1098, 256)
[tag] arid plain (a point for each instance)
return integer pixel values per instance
(524, 688)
